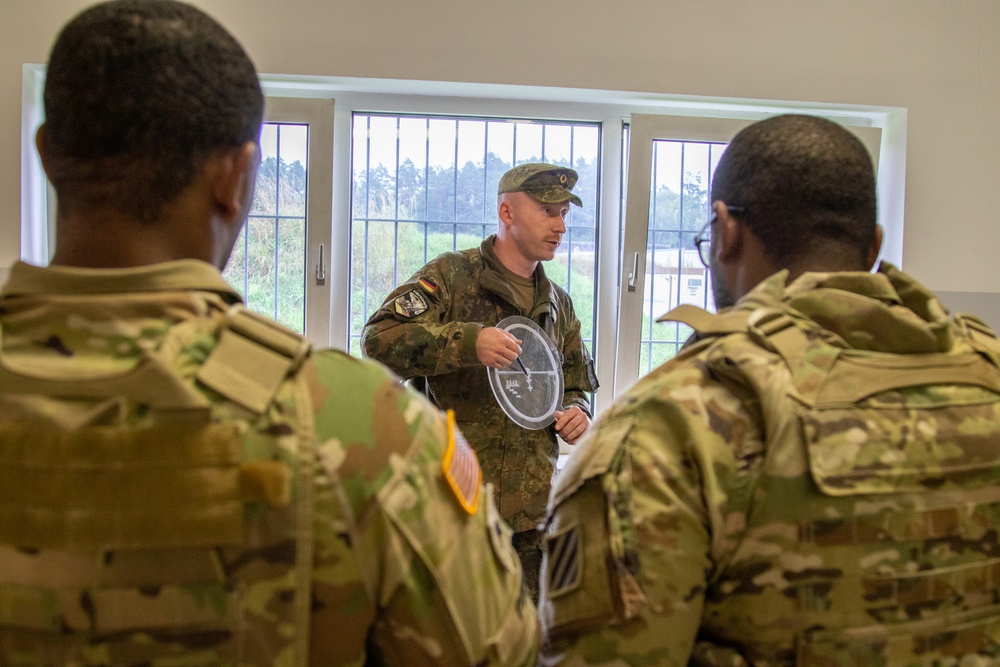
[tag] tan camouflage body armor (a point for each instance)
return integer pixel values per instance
(814, 480)
(182, 482)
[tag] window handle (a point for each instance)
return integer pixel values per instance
(635, 269)
(321, 268)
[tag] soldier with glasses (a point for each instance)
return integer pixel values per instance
(815, 478)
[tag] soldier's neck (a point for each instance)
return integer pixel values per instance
(513, 260)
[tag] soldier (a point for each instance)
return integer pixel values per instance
(182, 481)
(814, 479)
(439, 327)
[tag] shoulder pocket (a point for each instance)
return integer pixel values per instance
(589, 576)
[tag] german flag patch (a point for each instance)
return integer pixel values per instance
(461, 468)
(428, 285)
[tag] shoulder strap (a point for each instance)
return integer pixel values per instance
(706, 323)
(772, 328)
(253, 357)
(305, 486)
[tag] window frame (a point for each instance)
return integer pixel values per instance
(606, 236)
(318, 115)
(330, 172)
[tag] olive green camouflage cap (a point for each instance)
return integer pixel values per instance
(548, 183)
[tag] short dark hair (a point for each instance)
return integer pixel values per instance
(138, 93)
(807, 184)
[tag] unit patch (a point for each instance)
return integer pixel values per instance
(564, 564)
(461, 468)
(411, 304)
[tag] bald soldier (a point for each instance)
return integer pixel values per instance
(439, 328)
(184, 482)
(815, 478)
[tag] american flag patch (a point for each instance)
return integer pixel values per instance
(564, 560)
(428, 285)
(461, 468)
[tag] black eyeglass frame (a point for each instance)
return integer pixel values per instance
(704, 237)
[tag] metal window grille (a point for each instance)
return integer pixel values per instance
(679, 206)
(267, 265)
(423, 185)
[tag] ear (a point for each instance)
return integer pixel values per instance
(875, 248)
(505, 212)
(728, 237)
(235, 178)
(40, 147)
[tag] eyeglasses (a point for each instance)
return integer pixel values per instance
(703, 241)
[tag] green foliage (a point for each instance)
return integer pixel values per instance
(267, 265)
(403, 220)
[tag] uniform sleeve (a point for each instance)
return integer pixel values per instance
(579, 377)
(646, 510)
(410, 332)
(426, 574)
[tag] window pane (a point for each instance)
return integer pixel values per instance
(445, 172)
(678, 208)
(267, 266)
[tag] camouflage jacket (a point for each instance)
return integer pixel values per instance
(814, 480)
(427, 329)
(182, 482)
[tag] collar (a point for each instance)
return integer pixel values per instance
(887, 311)
(179, 275)
(494, 281)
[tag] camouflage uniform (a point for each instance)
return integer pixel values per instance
(206, 491)
(814, 480)
(456, 295)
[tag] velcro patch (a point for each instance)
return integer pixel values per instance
(565, 557)
(461, 468)
(411, 304)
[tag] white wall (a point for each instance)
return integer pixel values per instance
(939, 59)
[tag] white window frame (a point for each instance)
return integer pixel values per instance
(38, 208)
(347, 103)
(318, 114)
(330, 172)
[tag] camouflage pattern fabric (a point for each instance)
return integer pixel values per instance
(318, 530)
(464, 292)
(813, 480)
(548, 183)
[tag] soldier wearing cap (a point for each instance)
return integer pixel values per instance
(439, 330)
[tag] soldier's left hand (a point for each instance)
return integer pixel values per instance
(571, 424)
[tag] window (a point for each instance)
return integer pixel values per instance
(270, 265)
(678, 208)
(268, 262)
(405, 170)
(423, 185)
